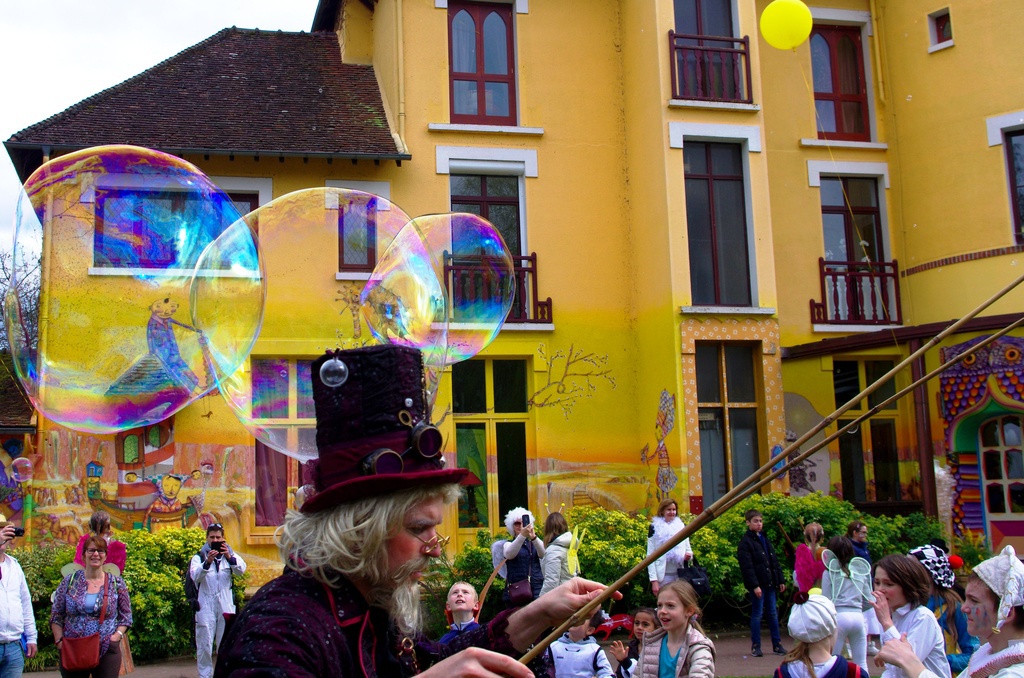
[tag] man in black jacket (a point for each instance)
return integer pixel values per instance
(763, 577)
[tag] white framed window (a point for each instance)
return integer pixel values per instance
(940, 30)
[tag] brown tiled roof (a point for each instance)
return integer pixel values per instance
(240, 90)
(15, 409)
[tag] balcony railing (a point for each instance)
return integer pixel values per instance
(858, 293)
(467, 281)
(710, 68)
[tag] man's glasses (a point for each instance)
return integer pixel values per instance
(437, 541)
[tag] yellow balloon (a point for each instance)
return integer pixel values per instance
(786, 24)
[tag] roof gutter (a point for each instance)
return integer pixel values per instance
(264, 152)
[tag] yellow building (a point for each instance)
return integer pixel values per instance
(706, 233)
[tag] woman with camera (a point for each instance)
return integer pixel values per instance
(91, 612)
(211, 570)
(523, 552)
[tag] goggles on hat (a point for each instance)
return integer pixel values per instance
(425, 442)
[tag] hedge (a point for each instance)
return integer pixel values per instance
(163, 622)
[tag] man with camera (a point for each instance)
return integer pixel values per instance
(16, 616)
(211, 570)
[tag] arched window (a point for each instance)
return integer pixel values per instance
(840, 93)
(482, 77)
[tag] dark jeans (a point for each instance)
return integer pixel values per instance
(110, 665)
(757, 607)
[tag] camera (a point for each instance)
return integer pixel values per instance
(19, 532)
(526, 519)
(219, 546)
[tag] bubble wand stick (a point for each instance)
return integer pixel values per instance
(754, 482)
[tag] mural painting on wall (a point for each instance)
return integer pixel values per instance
(571, 375)
(577, 377)
(163, 367)
(665, 421)
(995, 372)
(143, 478)
(813, 474)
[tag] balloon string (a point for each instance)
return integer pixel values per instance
(846, 197)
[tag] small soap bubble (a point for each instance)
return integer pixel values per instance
(334, 373)
(22, 470)
(303, 494)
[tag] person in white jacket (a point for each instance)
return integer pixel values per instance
(577, 653)
(16, 617)
(902, 588)
(994, 605)
(212, 569)
(556, 560)
(663, 527)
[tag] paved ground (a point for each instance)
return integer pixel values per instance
(733, 659)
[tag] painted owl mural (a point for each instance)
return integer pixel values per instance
(990, 381)
(965, 386)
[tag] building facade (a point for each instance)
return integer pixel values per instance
(716, 244)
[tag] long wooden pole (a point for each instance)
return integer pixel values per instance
(752, 483)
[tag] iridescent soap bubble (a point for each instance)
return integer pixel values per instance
(405, 303)
(304, 236)
(22, 470)
(106, 243)
(468, 257)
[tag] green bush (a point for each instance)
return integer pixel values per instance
(163, 621)
(614, 542)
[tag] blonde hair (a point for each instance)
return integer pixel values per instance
(350, 541)
(814, 534)
(801, 652)
(688, 597)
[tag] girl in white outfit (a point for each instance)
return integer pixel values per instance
(902, 588)
(994, 605)
(664, 526)
(846, 582)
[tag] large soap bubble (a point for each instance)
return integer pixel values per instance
(303, 234)
(98, 313)
(445, 286)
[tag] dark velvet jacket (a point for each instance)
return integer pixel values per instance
(289, 629)
(758, 564)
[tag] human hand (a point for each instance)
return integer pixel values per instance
(782, 588)
(900, 653)
(619, 651)
(7, 533)
(30, 651)
(687, 556)
(479, 663)
(757, 592)
(211, 555)
(655, 586)
(882, 612)
(530, 533)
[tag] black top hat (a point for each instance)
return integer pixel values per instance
(373, 430)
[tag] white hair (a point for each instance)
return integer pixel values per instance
(517, 512)
(350, 541)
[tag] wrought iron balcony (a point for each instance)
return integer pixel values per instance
(467, 281)
(710, 68)
(858, 293)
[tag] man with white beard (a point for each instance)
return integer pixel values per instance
(348, 602)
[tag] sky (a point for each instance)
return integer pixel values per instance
(54, 53)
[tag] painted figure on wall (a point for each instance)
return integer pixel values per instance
(665, 421)
(162, 367)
